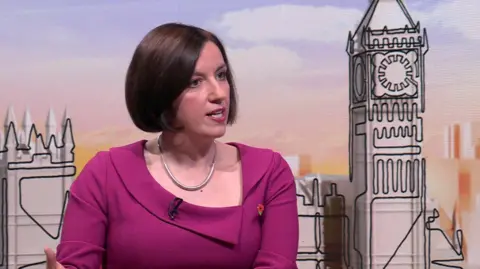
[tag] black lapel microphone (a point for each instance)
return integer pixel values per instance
(173, 207)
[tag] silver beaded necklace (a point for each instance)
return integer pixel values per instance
(176, 181)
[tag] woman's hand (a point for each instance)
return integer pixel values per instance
(52, 259)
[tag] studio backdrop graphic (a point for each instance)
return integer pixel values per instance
(372, 103)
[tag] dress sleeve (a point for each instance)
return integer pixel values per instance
(280, 232)
(82, 242)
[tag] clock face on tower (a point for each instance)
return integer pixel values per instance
(359, 79)
(395, 74)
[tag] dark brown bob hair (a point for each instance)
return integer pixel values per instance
(161, 69)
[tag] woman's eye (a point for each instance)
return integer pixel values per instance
(222, 75)
(195, 83)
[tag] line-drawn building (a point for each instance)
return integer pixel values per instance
(387, 100)
(325, 208)
(324, 212)
(392, 227)
(36, 171)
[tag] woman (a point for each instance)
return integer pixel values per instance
(182, 200)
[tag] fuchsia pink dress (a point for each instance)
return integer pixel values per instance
(117, 218)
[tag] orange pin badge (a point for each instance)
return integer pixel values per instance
(260, 209)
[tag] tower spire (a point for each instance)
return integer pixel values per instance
(10, 138)
(51, 124)
(10, 118)
(50, 128)
(2, 142)
(27, 121)
(382, 13)
(67, 136)
(66, 116)
(51, 121)
(68, 142)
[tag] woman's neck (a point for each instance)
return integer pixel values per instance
(187, 151)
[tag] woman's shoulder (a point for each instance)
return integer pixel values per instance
(119, 154)
(97, 172)
(264, 164)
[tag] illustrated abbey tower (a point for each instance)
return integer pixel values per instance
(36, 171)
(387, 99)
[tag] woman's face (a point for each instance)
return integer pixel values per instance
(202, 109)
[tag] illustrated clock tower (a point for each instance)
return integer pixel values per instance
(387, 100)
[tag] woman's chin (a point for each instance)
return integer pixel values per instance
(216, 132)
